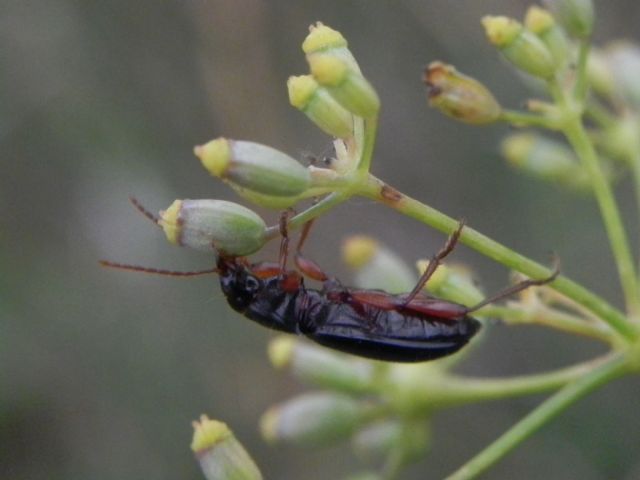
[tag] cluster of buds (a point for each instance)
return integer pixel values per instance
(337, 98)
(545, 46)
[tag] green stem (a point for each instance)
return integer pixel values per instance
(524, 119)
(577, 136)
(455, 390)
(582, 82)
(550, 317)
(379, 191)
(370, 129)
(553, 406)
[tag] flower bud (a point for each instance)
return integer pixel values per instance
(347, 86)
(409, 440)
(314, 419)
(320, 366)
(460, 96)
(545, 158)
(599, 73)
(254, 167)
(541, 22)
(376, 266)
(221, 456)
(577, 16)
(452, 282)
(624, 63)
(322, 109)
(325, 40)
(217, 225)
(520, 46)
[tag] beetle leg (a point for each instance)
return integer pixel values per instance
(518, 287)
(306, 266)
(434, 263)
(284, 242)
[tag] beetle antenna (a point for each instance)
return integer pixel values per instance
(156, 271)
(144, 211)
(518, 287)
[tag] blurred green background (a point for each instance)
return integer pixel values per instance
(103, 371)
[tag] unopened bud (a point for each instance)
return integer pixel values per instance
(460, 96)
(452, 282)
(346, 85)
(314, 419)
(624, 63)
(545, 158)
(220, 455)
(322, 109)
(255, 167)
(213, 225)
(599, 72)
(408, 440)
(577, 16)
(520, 46)
(325, 40)
(376, 266)
(541, 22)
(320, 366)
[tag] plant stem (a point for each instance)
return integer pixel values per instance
(378, 190)
(582, 84)
(455, 390)
(525, 119)
(577, 136)
(550, 317)
(557, 403)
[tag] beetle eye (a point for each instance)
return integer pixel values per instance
(252, 284)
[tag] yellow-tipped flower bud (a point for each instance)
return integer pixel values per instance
(544, 158)
(376, 266)
(254, 167)
(314, 419)
(346, 85)
(577, 16)
(321, 367)
(520, 46)
(213, 225)
(220, 455)
(452, 282)
(460, 96)
(322, 109)
(541, 22)
(325, 40)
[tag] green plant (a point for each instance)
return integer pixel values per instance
(593, 101)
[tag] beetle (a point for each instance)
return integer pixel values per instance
(369, 323)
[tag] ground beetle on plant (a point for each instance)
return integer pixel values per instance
(411, 327)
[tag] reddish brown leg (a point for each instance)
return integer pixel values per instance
(518, 287)
(310, 268)
(434, 263)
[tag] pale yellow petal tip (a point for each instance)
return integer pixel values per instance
(322, 37)
(327, 69)
(538, 20)
(515, 148)
(170, 222)
(208, 433)
(280, 351)
(301, 89)
(269, 425)
(500, 30)
(215, 156)
(358, 250)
